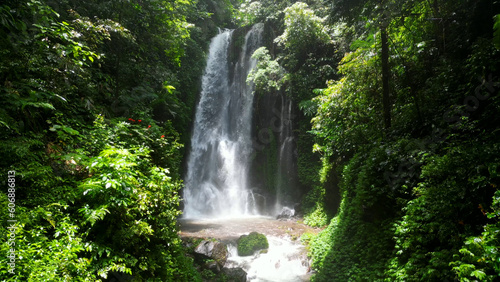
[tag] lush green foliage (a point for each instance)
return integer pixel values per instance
(417, 197)
(95, 102)
(112, 212)
(315, 202)
(97, 99)
(268, 75)
(248, 244)
(478, 257)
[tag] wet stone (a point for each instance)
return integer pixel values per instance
(235, 274)
(286, 213)
(212, 266)
(212, 249)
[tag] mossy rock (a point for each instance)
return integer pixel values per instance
(248, 244)
(210, 249)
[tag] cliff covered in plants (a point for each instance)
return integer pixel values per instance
(405, 170)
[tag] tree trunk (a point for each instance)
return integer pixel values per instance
(385, 78)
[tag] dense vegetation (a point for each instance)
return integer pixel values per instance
(406, 130)
(92, 127)
(398, 153)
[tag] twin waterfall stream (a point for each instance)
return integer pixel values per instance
(219, 200)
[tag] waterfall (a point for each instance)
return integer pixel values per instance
(216, 184)
(286, 175)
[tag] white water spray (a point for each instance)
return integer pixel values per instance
(283, 261)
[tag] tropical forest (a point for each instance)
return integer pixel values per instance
(249, 140)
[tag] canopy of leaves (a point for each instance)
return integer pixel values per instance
(420, 194)
(97, 172)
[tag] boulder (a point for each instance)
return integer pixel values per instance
(213, 266)
(248, 244)
(212, 249)
(286, 213)
(235, 274)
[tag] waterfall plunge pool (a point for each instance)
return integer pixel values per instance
(285, 260)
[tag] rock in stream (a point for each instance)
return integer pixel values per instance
(212, 249)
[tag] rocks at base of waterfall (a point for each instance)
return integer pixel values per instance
(286, 213)
(247, 245)
(212, 249)
(212, 265)
(235, 274)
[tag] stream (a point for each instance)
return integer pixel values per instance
(285, 260)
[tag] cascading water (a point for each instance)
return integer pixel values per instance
(218, 164)
(217, 197)
(286, 172)
(285, 260)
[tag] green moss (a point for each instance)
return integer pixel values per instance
(248, 244)
(316, 217)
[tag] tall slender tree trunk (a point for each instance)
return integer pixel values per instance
(439, 28)
(385, 78)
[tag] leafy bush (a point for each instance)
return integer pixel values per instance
(317, 217)
(267, 75)
(479, 257)
(444, 212)
(112, 212)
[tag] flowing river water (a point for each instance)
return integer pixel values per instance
(285, 260)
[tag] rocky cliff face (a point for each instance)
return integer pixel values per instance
(273, 171)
